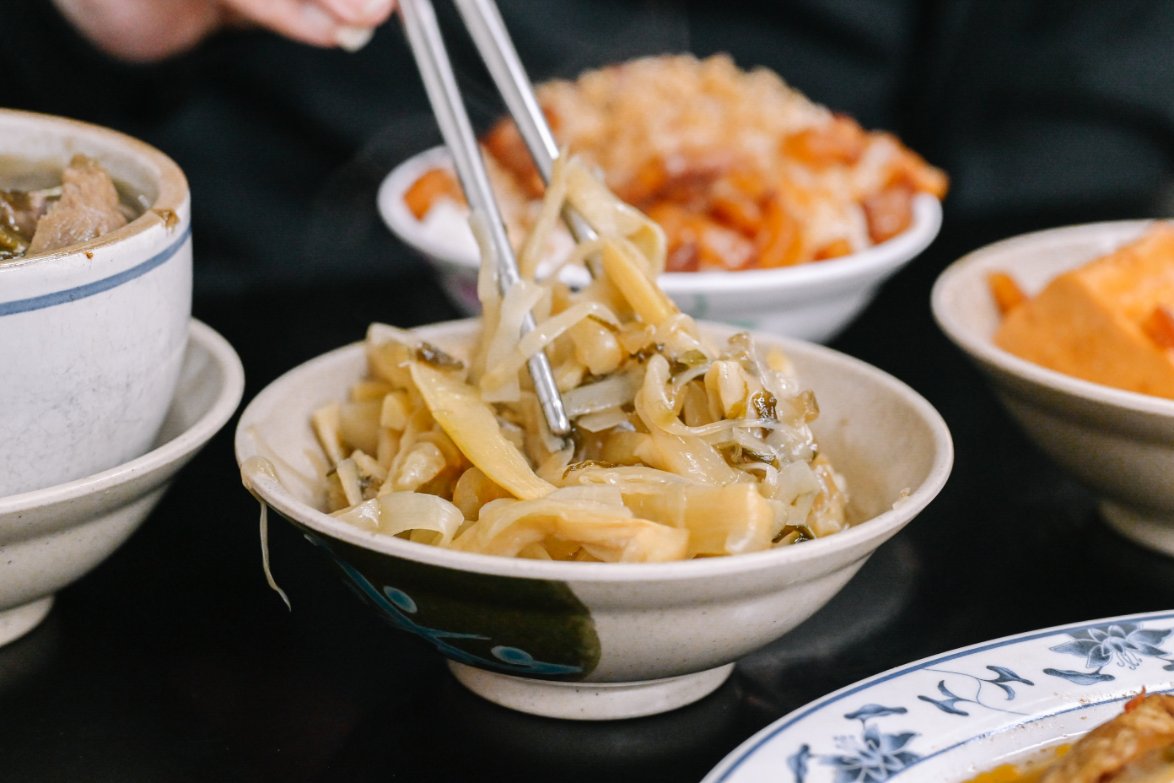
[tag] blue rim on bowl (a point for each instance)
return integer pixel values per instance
(948, 717)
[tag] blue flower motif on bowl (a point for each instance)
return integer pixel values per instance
(871, 757)
(493, 633)
(398, 607)
(1002, 680)
(1124, 645)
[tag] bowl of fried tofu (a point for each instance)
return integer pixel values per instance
(1074, 328)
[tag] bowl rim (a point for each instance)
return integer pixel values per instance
(171, 200)
(869, 533)
(993, 725)
(964, 273)
(222, 354)
(892, 253)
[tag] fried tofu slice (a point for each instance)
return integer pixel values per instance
(1096, 322)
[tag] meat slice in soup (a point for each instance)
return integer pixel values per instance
(89, 207)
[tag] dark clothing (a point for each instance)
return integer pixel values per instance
(1042, 112)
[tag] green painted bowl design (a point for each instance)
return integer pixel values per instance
(525, 627)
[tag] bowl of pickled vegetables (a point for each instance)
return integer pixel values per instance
(778, 214)
(717, 486)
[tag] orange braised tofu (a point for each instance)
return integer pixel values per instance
(1101, 321)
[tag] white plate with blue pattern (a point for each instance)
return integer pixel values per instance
(949, 717)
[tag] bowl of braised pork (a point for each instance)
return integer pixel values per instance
(778, 214)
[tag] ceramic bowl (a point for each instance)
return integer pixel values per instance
(53, 536)
(809, 301)
(1118, 443)
(91, 336)
(605, 640)
(933, 721)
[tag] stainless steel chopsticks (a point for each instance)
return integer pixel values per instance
(427, 45)
(493, 42)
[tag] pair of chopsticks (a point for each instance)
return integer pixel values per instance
(486, 27)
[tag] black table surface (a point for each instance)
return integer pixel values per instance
(172, 661)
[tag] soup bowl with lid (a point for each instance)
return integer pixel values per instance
(92, 335)
(583, 640)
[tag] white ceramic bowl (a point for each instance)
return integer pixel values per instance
(809, 301)
(51, 537)
(91, 336)
(605, 640)
(1118, 443)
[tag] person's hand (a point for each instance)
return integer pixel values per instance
(146, 30)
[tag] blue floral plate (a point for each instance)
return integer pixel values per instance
(949, 717)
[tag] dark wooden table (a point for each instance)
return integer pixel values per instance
(174, 662)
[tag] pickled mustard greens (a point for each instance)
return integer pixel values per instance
(83, 207)
(681, 448)
(19, 212)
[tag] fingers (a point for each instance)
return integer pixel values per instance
(360, 18)
(327, 23)
(142, 30)
(361, 13)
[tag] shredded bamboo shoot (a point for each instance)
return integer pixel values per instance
(681, 448)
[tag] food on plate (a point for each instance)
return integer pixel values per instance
(1135, 747)
(83, 206)
(1110, 321)
(741, 170)
(681, 448)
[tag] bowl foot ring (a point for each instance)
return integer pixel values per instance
(19, 620)
(590, 700)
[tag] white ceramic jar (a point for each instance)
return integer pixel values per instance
(91, 336)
